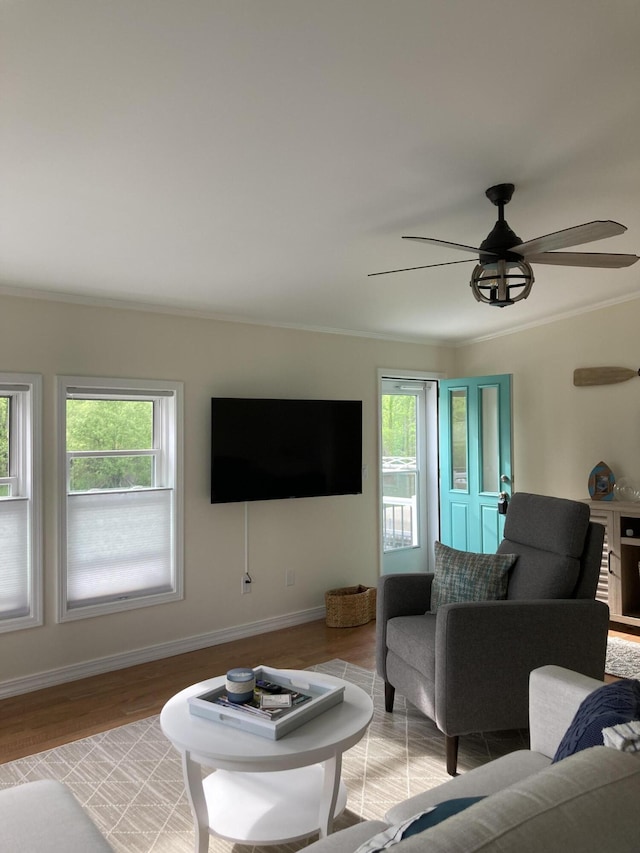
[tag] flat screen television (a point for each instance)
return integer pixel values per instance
(263, 449)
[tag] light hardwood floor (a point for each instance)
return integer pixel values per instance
(47, 718)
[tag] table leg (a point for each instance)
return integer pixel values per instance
(330, 787)
(195, 794)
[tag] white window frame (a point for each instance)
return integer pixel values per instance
(25, 479)
(168, 453)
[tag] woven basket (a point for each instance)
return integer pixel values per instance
(350, 606)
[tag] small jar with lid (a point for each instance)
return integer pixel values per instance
(240, 684)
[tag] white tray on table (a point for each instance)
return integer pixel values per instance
(322, 697)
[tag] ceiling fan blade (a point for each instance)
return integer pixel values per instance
(426, 267)
(586, 233)
(584, 259)
(460, 246)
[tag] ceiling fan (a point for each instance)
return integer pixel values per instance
(503, 273)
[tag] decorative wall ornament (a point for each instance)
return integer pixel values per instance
(602, 375)
(601, 482)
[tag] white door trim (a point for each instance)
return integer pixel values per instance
(431, 377)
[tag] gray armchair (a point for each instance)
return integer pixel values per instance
(467, 666)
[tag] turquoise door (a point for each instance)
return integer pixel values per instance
(475, 460)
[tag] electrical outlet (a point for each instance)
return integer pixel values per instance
(246, 584)
(290, 577)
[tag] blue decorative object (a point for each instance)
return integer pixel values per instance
(601, 482)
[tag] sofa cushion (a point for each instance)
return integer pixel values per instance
(45, 816)
(548, 534)
(345, 840)
(609, 705)
(466, 576)
(413, 639)
(587, 803)
(540, 574)
(481, 781)
(557, 525)
(418, 823)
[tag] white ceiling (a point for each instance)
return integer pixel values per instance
(255, 159)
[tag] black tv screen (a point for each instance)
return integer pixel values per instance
(265, 449)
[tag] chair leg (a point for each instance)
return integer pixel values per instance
(389, 695)
(451, 744)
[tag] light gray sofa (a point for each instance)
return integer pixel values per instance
(587, 802)
(45, 816)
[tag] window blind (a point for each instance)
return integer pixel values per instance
(15, 551)
(119, 545)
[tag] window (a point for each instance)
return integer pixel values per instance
(121, 485)
(20, 525)
(402, 418)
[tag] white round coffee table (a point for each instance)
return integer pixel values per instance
(265, 791)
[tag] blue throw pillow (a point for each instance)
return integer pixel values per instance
(418, 823)
(609, 705)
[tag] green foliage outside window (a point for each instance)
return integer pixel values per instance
(4, 444)
(459, 431)
(399, 425)
(105, 425)
(399, 440)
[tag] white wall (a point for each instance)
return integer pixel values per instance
(560, 431)
(329, 542)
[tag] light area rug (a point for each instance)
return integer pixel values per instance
(129, 779)
(623, 658)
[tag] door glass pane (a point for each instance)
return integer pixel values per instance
(399, 511)
(399, 471)
(459, 439)
(490, 449)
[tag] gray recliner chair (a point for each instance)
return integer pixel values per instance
(467, 666)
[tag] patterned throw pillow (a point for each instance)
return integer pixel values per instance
(464, 576)
(609, 705)
(418, 823)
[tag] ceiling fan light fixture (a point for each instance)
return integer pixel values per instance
(503, 274)
(501, 282)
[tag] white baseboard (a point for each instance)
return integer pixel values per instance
(61, 675)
